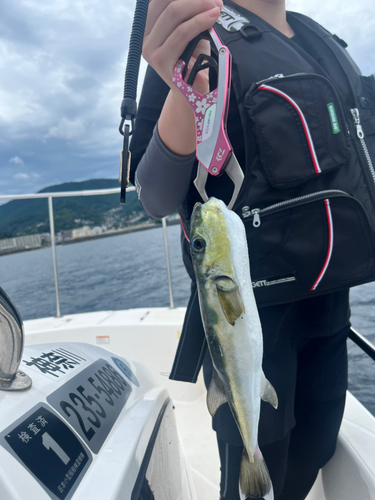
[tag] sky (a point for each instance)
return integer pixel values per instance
(62, 65)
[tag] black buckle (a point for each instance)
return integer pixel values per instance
(250, 31)
(128, 113)
(125, 164)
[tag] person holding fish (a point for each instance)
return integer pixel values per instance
(304, 368)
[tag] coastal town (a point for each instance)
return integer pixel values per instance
(85, 231)
(25, 224)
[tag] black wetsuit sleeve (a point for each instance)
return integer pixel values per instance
(162, 178)
(154, 93)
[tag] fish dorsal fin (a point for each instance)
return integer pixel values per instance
(268, 393)
(216, 395)
(230, 298)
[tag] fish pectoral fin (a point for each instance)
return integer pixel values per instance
(268, 393)
(230, 298)
(215, 395)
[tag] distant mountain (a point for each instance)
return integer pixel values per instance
(23, 217)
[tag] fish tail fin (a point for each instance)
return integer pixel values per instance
(255, 481)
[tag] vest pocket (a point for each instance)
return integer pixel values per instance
(308, 246)
(299, 127)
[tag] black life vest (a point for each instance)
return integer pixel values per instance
(308, 199)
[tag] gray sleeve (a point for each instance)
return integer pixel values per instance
(162, 178)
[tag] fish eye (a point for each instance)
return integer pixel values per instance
(198, 244)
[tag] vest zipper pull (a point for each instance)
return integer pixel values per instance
(256, 217)
(357, 123)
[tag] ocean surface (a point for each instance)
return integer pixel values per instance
(129, 271)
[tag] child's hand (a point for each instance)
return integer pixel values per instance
(171, 25)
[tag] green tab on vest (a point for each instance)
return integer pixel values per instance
(333, 118)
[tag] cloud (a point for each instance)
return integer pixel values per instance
(22, 176)
(17, 160)
(67, 129)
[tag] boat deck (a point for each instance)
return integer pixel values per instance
(150, 337)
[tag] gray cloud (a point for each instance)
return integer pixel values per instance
(17, 160)
(23, 176)
(62, 66)
(67, 129)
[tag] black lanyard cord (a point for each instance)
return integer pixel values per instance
(129, 103)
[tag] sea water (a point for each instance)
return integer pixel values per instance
(129, 271)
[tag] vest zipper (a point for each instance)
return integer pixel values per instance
(270, 78)
(300, 200)
(359, 130)
(361, 137)
(279, 76)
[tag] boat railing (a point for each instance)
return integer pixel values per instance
(94, 192)
(361, 341)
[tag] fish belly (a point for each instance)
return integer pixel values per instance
(238, 364)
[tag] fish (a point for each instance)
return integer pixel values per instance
(233, 331)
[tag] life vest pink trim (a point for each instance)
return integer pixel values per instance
(330, 246)
(183, 229)
(304, 123)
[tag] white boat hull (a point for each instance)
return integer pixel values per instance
(150, 337)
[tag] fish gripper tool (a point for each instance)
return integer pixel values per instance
(213, 149)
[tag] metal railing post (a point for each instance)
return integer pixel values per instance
(168, 263)
(53, 246)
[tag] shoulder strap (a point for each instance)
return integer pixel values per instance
(318, 28)
(337, 61)
(301, 18)
(258, 50)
